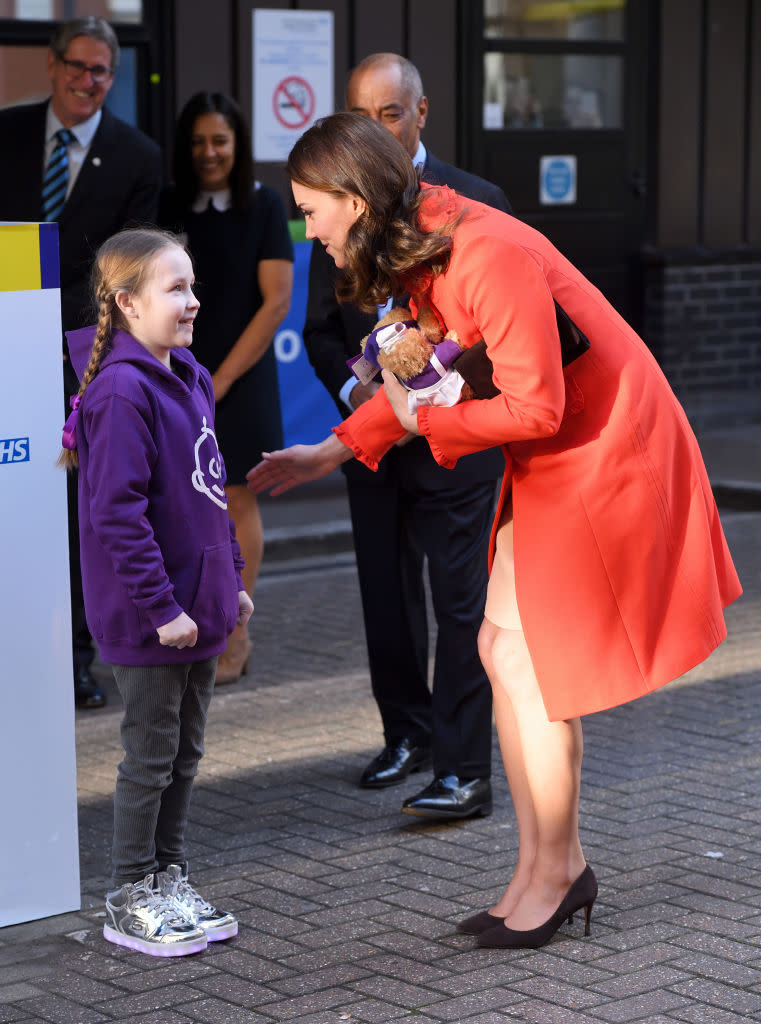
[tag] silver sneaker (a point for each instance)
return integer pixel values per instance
(195, 909)
(142, 918)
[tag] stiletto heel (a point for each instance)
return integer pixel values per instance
(582, 894)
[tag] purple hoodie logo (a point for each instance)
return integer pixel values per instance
(208, 440)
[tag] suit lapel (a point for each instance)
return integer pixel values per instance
(431, 173)
(100, 160)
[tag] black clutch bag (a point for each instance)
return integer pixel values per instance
(476, 369)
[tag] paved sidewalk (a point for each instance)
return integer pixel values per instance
(347, 908)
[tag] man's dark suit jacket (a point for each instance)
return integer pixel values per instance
(117, 187)
(333, 331)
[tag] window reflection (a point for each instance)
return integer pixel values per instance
(555, 19)
(59, 10)
(558, 92)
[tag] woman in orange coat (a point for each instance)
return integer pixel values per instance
(609, 568)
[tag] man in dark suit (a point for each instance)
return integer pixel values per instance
(410, 510)
(68, 159)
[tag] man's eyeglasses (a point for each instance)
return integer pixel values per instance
(76, 68)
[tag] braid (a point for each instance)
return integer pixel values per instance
(102, 336)
(68, 459)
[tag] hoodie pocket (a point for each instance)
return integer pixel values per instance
(215, 605)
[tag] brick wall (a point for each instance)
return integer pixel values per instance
(703, 324)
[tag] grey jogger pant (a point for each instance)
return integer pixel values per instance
(165, 708)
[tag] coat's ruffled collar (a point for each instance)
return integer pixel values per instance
(440, 205)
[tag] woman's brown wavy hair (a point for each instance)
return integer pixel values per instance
(349, 154)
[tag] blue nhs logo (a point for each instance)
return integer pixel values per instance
(14, 449)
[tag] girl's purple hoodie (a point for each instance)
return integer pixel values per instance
(155, 535)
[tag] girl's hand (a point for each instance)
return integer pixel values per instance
(180, 632)
(282, 470)
(397, 396)
(245, 608)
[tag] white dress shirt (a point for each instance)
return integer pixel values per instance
(83, 134)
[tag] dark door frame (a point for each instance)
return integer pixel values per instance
(640, 113)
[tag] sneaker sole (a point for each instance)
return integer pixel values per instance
(154, 948)
(228, 931)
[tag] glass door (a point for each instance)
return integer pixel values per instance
(557, 107)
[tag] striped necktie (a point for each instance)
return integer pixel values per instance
(56, 179)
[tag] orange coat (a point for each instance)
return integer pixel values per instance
(621, 566)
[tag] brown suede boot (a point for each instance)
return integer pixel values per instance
(235, 659)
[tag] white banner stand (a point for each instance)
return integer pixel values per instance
(39, 848)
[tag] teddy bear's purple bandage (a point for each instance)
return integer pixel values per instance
(446, 352)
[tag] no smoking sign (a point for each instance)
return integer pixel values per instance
(293, 102)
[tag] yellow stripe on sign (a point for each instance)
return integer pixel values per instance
(19, 258)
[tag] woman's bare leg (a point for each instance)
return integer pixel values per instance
(512, 759)
(243, 509)
(543, 762)
(542, 759)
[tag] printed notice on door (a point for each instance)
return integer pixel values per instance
(292, 77)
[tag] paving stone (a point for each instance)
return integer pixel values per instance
(396, 991)
(19, 991)
(167, 1017)
(640, 1007)
(366, 1011)
(462, 1007)
(58, 1010)
(156, 1000)
(640, 981)
(336, 974)
(559, 992)
(80, 988)
(348, 909)
(324, 1000)
(697, 1014)
(213, 1010)
(228, 987)
(726, 997)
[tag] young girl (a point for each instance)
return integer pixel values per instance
(160, 567)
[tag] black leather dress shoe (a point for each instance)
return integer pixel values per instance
(394, 764)
(87, 692)
(450, 797)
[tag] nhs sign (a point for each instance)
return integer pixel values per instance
(14, 449)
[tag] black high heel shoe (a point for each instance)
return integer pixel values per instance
(582, 893)
(478, 923)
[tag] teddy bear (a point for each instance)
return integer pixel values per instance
(419, 353)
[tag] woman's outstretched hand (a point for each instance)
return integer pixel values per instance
(280, 471)
(397, 397)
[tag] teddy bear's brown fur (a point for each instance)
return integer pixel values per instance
(410, 355)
